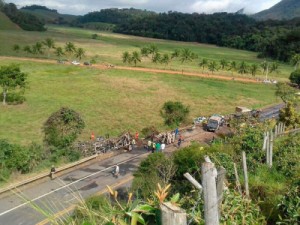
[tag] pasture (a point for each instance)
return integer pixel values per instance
(108, 49)
(112, 101)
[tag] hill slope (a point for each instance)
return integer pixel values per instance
(285, 9)
(48, 15)
(6, 23)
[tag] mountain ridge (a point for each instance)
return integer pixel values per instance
(283, 10)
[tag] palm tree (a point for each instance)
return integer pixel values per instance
(232, 66)
(296, 61)
(212, 66)
(242, 68)
(203, 63)
(79, 53)
(156, 58)
(16, 48)
(265, 66)
(136, 57)
(253, 69)
(186, 55)
(145, 51)
(223, 63)
(70, 48)
(27, 49)
(49, 43)
(175, 54)
(59, 52)
(165, 59)
(274, 67)
(126, 57)
(152, 49)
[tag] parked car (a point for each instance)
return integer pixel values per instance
(75, 63)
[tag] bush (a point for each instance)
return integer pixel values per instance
(295, 77)
(13, 98)
(174, 113)
(62, 128)
(149, 131)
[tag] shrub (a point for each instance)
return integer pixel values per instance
(174, 113)
(62, 127)
(295, 77)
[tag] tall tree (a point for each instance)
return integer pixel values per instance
(203, 63)
(11, 78)
(37, 48)
(70, 48)
(156, 58)
(59, 52)
(232, 66)
(213, 66)
(49, 43)
(152, 49)
(243, 68)
(165, 59)
(296, 61)
(274, 67)
(223, 64)
(253, 69)
(265, 66)
(187, 55)
(135, 57)
(79, 53)
(126, 57)
(175, 54)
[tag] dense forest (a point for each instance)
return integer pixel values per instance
(276, 39)
(24, 20)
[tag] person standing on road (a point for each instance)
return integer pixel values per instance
(136, 136)
(179, 142)
(157, 147)
(117, 171)
(133, 142)
(153, 146)
(162, 147)
(149, 145)
(176, 132)
(52, 172)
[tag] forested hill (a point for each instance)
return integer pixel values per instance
(277, 39)
(285, 9)
(24, 20)
(47, 15)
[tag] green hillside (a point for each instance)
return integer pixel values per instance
(6, 23)
(48, 15)
(285, 9)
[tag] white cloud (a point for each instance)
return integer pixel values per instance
(201, 6)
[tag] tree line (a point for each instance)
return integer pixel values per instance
(186, 55)
(24, 20)
(276, 39)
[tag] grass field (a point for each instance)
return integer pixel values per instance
(112, 101)
(110, 46)
(6, 24)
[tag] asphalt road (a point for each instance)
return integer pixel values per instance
(63, 192)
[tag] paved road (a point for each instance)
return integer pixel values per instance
(271, 112)
(61, 193)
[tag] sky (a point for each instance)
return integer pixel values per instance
(81, 7)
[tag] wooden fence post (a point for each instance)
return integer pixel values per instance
(237, 180)
(209, 175)
(220, 187)
(171, 214)
(276, 130)
(245, 174)
(268, 147)
(271, 150)
(265, 142)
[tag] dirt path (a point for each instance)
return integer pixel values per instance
(149, 70)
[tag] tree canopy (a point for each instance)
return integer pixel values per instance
(11, 78)
(174, 113)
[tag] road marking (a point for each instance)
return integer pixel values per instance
(67, 185)
(70, 208)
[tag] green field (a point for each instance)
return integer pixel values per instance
(6, 24)
(112, 101)
(110, 46)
